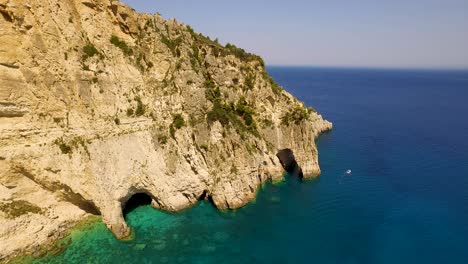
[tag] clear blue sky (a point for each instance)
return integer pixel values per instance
(360, 33)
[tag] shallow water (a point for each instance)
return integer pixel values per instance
(404, 135)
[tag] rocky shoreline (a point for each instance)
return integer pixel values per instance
(99, 103)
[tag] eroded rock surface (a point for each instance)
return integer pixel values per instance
(98, 103)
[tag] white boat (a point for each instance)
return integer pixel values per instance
(348, 172)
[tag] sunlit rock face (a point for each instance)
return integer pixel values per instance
(98, 103)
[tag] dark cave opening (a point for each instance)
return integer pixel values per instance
(137, 200)
(288, 161)
(205, 196)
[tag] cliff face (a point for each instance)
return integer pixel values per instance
(98, 102)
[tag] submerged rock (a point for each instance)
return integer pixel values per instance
(139, 247)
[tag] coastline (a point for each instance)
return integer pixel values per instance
(141, 105)
(61, 240)
(56, 244)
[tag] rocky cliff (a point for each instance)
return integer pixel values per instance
(98, 103)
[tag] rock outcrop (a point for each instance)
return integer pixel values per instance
(98, 103)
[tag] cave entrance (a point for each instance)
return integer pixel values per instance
(137, 200)
(288, 161)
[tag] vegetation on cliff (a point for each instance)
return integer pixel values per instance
(127, 102)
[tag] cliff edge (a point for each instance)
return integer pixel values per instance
(98, 103)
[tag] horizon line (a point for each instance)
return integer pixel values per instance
(441, 68)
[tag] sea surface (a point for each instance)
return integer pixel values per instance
(404, 136)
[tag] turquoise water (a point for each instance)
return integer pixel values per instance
(404, 135)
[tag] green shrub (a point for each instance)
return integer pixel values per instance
(295, 115)
(130, 112)
(140, 109)
(58, 120)
(190, 30)
(310, 109)
(243, 110)
(239, 116)
(117, 121)
(64, 147)
(177, 123)
(220, 112)
(121, 44)
(89, 51)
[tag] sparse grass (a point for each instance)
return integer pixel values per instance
(19, 207)
(267, 123)
(173, 45)
(121, 45)
(139, 64)
(204, 147)
(240, 115)
(162, 139)
(249, 83)
(234, 169)
(178, 65)
(310, 109)
(67, 147)
(274, 86)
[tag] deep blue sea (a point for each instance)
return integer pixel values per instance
(404, 136)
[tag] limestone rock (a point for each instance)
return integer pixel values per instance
(98, 103)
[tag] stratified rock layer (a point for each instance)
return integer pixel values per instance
(98, 103)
